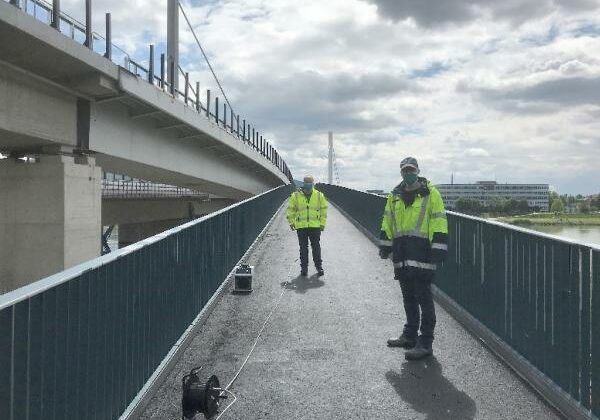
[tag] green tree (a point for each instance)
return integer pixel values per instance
(595, 203)
(584, 207)
(557, 206)
(468, 206)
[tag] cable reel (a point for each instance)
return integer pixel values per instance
(199, 397)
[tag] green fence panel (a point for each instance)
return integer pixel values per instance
(534, 291)
(595, 333)
(82, 343)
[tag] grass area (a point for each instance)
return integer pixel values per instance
(590, 219)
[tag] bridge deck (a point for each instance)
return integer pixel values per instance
(323, 353)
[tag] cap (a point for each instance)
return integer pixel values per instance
(409, 162)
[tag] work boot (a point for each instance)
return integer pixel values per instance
(320, 272)
(304, 272)
(418, 352)
(402, 341)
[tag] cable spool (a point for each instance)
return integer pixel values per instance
(199, 397)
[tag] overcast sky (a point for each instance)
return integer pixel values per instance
(485, 89)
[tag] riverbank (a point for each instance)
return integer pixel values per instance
(551, 219)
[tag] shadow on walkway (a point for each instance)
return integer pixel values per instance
(302, 284)
(423, 386)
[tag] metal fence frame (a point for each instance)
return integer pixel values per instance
(82, 343)
(530, 295)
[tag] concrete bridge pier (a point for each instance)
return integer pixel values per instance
(50, 216)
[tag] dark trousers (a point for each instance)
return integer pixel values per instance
(419, 308)
(314, 234)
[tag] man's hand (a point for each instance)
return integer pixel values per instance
(322, 228)
(292, 227)
(384, 254)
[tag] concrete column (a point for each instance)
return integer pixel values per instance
(50, 217)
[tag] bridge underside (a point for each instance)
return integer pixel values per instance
(323, 352)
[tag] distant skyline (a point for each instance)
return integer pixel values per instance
(483, 89)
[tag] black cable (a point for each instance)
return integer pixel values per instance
(205, 56)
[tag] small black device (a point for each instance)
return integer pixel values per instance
(243, 278)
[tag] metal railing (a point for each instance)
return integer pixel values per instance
(82, 33)
(139, 189)
(83, 342)
(534, 291)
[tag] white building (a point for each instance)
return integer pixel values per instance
(487, 192)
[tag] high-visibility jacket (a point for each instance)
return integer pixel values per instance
(307, 212)
(417, 234)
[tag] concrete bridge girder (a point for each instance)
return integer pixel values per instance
(77, 74)
(118, 211)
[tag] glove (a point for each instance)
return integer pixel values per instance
(292, 227)
(322, 228)
(384, 253)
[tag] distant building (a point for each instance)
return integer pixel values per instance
(487, 192)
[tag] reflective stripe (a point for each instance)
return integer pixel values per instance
(415, 264)
(393, 216)
(385, 243)
(422, 214)
(438, 215)
(319, 206)
(439, 246)
(408, 233)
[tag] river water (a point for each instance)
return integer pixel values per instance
(585, 234)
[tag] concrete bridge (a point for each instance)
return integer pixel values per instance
(77, 113)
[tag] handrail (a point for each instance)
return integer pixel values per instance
(25, 292)
(506, 225)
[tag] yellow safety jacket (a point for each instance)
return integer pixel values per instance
(306, 212)
(415, 234)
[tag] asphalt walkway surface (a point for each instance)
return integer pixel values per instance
(323, 354)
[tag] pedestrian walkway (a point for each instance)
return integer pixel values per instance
(323, 353)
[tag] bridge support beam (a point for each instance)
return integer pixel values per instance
(50, 217)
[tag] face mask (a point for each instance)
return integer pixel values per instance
(409, 178)
(308, 186)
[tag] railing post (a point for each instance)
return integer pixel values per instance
(244, 130)
(89, 40)
(217, 110)
(225, 115)
(151, 65)
(172, 70)
(198, 106)
(108, 40)
(162, 71)
(56, 14)
(16, 3)
(231, 120)
(237, 117)
(208, 103)
(187, 87)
